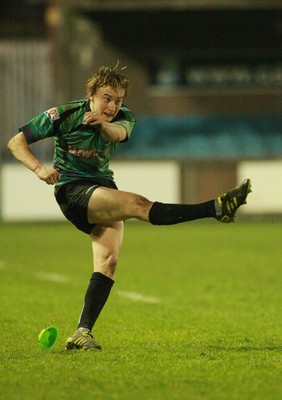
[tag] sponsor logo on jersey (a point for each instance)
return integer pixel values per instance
(53, 114)
(86, 153)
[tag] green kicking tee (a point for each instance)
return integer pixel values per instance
(81, 152)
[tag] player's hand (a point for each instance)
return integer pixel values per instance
(92, 119)
(46, 174)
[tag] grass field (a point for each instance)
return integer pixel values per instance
(195, 313)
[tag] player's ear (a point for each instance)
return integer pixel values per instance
(91, 94)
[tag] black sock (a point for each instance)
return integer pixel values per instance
(95, 298)
(170, 214)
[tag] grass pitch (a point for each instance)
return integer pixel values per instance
(195, 313)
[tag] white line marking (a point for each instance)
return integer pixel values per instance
(134, 296)
(52, 277)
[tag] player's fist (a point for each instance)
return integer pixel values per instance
(92, 118)
(47, 174)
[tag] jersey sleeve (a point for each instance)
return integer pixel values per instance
(127, 119)
(41, 127)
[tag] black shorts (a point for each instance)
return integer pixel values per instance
(73, 200)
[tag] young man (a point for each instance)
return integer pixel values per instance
(86, 133)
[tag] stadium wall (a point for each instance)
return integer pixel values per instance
(25, 198)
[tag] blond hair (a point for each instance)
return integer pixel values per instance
(108, 76)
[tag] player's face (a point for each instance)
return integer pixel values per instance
(107, 102)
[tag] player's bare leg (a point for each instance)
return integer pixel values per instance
(109, 205)
(106, 242)
(106, 205)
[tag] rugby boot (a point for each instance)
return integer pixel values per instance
(227, 204)
(82, 339)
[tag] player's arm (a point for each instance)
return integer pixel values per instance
(111, 131)
(22, 152)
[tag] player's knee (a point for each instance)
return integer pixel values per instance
(142, 204)
(111, 262)
(107, 265)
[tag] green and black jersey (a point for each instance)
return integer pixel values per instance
(81, 152)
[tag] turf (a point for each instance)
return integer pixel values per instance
(213, 332)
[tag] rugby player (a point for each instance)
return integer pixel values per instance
(86, 134)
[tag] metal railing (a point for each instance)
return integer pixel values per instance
(26, 89)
